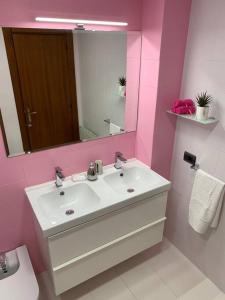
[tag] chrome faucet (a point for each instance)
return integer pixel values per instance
(119, 160)
(59, 177)
(92, 172)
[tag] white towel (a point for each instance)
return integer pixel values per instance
(114, 129)
(206, 202)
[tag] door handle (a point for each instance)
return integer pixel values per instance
(29, 114)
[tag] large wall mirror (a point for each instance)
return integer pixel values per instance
(66, 86)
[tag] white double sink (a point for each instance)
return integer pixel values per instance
(80, 200)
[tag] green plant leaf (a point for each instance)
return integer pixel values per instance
(203, 99)
(122, 81)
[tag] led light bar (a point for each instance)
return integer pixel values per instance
(77, 21)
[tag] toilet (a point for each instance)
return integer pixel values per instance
(23, 284)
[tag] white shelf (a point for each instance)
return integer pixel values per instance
(210, 121)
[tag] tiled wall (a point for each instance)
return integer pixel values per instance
(22, 13)
(204, 70)
(174, 37)
(16, 220)
(15, 215)
(152, 22)
(164, 25)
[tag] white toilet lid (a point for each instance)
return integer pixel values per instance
(23, 284)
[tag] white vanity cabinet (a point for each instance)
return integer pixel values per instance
(83, 251)
(114, 218)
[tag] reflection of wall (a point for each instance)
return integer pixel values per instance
(78, 79)
(7, 104)
(133, 76)
(100, 60)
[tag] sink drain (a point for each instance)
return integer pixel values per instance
(69, 212)
(130, 190)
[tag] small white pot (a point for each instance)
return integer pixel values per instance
(202, 113)
(122, 91)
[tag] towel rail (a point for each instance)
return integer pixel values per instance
(195, 167)
(108, 121)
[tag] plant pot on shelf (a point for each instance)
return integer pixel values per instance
(122, 91)
(202, 113)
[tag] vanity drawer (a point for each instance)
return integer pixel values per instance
(79, 240)
(86, 266)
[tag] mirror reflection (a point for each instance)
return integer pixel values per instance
(59, 86)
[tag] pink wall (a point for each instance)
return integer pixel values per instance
(16, 220)
(174, 37)
(152, 22)
(163, 20)
(164, 25)
(22, 13)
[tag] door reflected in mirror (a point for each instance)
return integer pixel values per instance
(59, 86)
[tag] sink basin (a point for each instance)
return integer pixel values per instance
(131, 179)
(74, 200)
(78, 202)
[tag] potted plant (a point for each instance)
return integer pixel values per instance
(122, 86)
(203, 100)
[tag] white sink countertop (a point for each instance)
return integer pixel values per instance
(80, 200)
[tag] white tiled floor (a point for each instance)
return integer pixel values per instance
(162, 273)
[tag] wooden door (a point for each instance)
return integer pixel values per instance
(43, 74)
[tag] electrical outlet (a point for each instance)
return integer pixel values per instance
(189, 158)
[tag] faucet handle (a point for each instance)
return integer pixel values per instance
(92, 164)
(59, 173)
(58, 169)
(118, 154)
(119, 160)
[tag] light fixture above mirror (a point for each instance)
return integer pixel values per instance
(78, 21)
